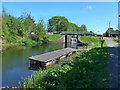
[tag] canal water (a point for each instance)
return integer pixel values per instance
(15, 63)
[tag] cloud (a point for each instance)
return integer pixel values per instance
(90, 7)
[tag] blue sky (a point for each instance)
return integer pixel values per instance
(95, 15)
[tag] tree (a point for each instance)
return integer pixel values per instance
(0, 21)
(72, 27)
(5, 18)
(107, 33)
(39, 33)
(91, 33)
(9, 27)
(29, 24)
(22, 29)
(57, 23)
(83, 28)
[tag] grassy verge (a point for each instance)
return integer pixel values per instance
(20, 41)
(53, 37)
(92, 40)
(82, 70)
(116, 40)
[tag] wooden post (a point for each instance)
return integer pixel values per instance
(65, 41)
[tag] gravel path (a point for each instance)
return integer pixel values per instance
(113, 49)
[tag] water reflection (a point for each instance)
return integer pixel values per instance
(34, 67)
(15, 62)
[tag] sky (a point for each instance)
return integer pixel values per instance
(59, 0)
(95, 15)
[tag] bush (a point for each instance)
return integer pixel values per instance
(116, 40)
(47, 79)
(29, 42)
(10, 39)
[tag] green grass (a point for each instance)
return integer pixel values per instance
(92, 40)
(89, 70)
(81, 70)
(53, 37)
(21, 41)
(116, 40)
(84, 70)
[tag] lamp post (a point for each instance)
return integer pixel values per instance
(98, 32)
(109, 28)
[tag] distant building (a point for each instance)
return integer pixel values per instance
(119, 15)
(115, 33)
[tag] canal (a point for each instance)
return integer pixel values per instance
(15, 63)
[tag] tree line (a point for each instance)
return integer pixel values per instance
(61, 23)
(25, 31)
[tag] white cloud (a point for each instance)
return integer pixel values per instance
(90, 7)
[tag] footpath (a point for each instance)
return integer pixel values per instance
(114, 62)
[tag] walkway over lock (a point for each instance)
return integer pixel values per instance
(71, 33)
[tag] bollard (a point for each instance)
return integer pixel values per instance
(102, 41)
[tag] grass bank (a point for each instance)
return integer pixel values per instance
(53, 37)
(92, 40)
(19, 42)
(82, 70)
(116, 40)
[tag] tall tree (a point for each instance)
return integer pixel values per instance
(0, 21)
(107, 33)
(29, 24)
(57, 23)
(5, 18)
(83, 28)
(39, 30)
(21, 27)
(72, 27)
(9, 27)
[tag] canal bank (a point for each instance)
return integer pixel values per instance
(15, 63)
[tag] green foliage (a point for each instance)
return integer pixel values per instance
(0, 22)
(47, 79)
(91, 33)
(83, 28)
(29, 24)
(28, 42)
(10, 39)
(40, 34)
(107, 33)
(60, 23)
(87, 70)
(83, 70)
(57, 23)
(72, 27)
(116, 40)
(53, 37)
(96, 41)
(23, 27)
